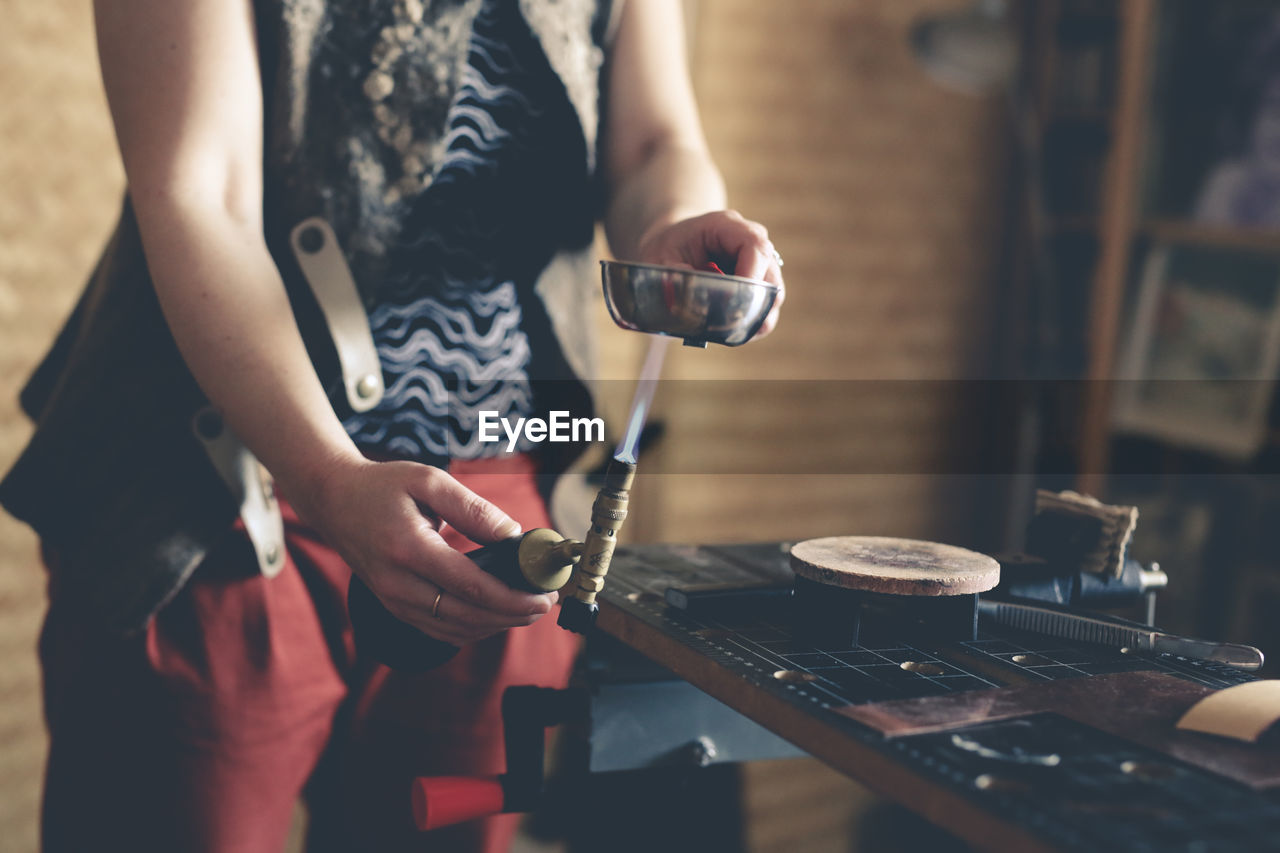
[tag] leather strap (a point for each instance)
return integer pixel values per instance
(326, 271)
(250, 484)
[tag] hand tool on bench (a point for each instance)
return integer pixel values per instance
(1055, 621)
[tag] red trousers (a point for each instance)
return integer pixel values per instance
(244, 694)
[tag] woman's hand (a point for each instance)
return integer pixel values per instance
(662, 181)
(735, 244)
(385, 519)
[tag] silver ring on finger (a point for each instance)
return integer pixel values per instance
(777, 259)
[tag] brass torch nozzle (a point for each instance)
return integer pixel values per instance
(578, 609)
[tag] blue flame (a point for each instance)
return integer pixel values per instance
(645, 388)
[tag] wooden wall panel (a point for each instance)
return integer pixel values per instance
(61, 179)
(882, 191)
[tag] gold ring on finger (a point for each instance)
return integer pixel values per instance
(435, 608)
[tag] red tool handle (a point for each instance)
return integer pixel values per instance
(445, 800)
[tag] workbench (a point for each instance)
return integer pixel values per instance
(1065, 746)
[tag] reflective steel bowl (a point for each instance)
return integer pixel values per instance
(700, 307)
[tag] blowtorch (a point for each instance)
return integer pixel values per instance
(537, 561)
(696, 306)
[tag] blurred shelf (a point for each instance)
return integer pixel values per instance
(1079, 115)
(1092, 12)
(1074, 222)
(1217, 236)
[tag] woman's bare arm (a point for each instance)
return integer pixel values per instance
(667, 197)
(182, 80)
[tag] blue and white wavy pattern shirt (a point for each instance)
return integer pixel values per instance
(452, 325)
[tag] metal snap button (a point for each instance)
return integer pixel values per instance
(368, 386)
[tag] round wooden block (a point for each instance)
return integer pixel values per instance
(893, 566)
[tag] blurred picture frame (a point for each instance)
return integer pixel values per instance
(1215, 116)
(1198, 366)
(1240, 187)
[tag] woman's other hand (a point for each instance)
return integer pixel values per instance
(735, 244)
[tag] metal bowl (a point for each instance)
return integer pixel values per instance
(700, 307)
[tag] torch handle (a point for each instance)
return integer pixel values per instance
(389, 641)
(402, 647)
